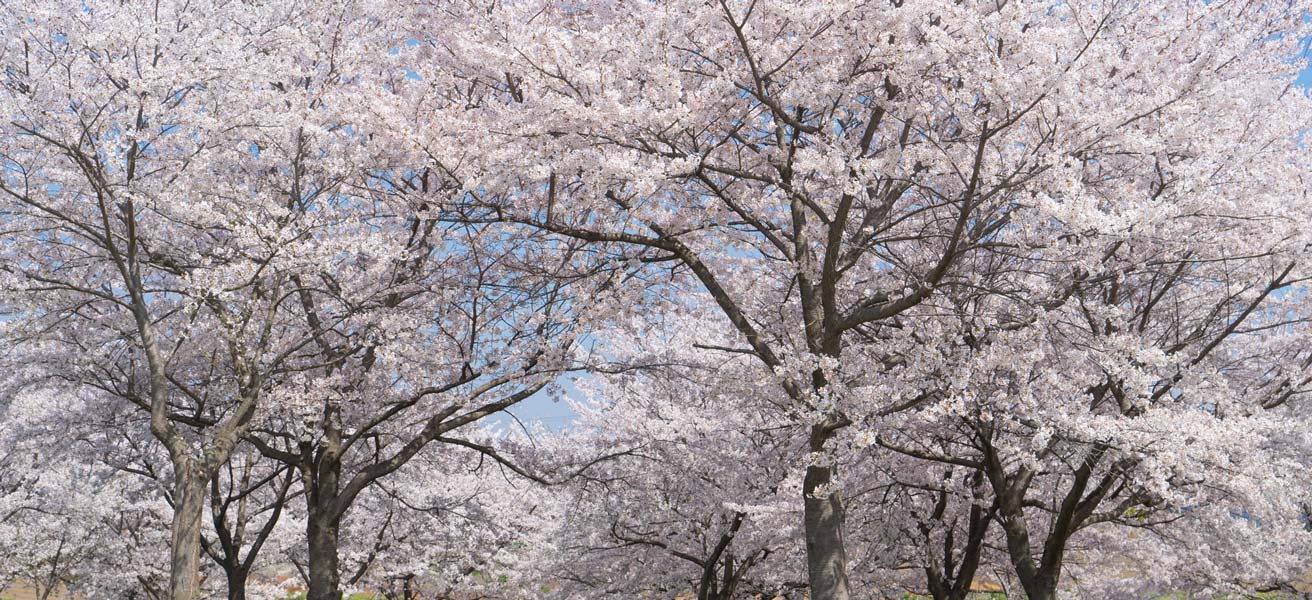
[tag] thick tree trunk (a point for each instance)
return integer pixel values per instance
(1041, 591)
(1039, 581)
(826, 556)
(237, 583)
(1044, 584)
(322, 533)
(189, 494)
(323, 524)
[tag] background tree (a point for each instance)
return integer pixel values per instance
(78, 517)
(247, 499)
(697, 493)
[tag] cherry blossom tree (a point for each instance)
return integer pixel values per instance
(1112, 411)
(939, 532)
(482, 323)
(824, 172)
(204, 206)
(247, 500)
(154, 215)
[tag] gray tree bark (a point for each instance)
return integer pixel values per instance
(322, 531)
(323, 525)
(189, 495)
(826, 554)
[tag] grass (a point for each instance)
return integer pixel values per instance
(301, 596)
(972, 596)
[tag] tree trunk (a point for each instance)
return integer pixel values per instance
(322, 534)
(826, 556)
(1041, 591)
(189, 494)
(237, 583)
(323, 521)
(1044, 584)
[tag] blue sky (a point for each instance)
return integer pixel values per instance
(539, 409)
